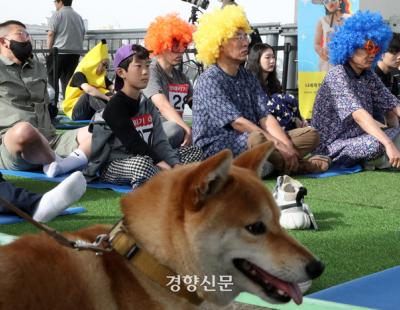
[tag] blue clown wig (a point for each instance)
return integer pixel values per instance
(353, 34)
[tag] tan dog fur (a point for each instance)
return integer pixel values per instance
(191, 219)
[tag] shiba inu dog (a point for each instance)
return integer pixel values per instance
(212, 220)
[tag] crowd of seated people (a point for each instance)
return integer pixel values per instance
(139, 130)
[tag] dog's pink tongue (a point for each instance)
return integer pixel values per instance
(292, 289)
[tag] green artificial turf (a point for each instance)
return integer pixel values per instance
(358, 217)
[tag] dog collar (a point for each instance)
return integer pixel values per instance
(127, 247)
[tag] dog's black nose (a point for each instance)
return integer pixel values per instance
(315, 268)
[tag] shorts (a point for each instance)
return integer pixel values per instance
(63, 144)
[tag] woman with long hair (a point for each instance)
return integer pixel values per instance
(285, 107)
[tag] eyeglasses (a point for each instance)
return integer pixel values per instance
(371, 48)
(242, 37)
(23, 34)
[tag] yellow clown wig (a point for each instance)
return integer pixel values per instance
(215, 29)
(88, 66)
(165, 31)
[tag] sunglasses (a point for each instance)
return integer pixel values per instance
(371, 48)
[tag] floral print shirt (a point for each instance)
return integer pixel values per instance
(343, 92)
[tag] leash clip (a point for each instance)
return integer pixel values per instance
(97, 246)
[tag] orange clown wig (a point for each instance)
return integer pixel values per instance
(166, 32)
(215, 29)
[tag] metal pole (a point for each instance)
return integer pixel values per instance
(55, 75)
(286, 52)
(272, 39)
(289, 32)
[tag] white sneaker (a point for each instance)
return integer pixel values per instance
(289, 196)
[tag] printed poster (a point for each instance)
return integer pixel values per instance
(316, 20)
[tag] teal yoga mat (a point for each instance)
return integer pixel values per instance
(12, 219)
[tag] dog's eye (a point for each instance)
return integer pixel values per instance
(257, 228)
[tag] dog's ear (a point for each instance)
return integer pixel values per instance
(208, 179)
(255, 158)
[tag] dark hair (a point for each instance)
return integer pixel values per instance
(139, 52)
(12, 22)
(394, 45)
(271, 85)
(65, 2)
(344, 7)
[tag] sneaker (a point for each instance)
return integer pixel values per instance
(289, 196)
(381, 162)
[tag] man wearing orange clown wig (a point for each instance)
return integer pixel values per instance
(170, 90)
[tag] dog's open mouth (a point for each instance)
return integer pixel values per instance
(275, 288)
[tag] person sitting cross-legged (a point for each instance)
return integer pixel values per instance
(386, 69)
(129, 144)
(230, 108)
(168, 88)
(28, 139)
(351, 92)
(89, 89)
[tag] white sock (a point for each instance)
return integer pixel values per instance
(75, 160)
(59, 198)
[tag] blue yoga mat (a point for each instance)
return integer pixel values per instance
(12, 219)
(335, 171)
(64, 122)
(378, 290)
(70, 126)
(42, 177)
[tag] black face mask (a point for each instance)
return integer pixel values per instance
(21, 50)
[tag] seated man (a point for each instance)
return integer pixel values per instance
(89, 89)
(388, 65)
(28, 139)
(349, 94)
(169, 89)
(229, 105)
(43, 207)
(387, 71)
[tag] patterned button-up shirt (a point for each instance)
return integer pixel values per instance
(342, 93)
(218, 100)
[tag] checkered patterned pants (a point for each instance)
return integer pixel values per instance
(136, 170)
